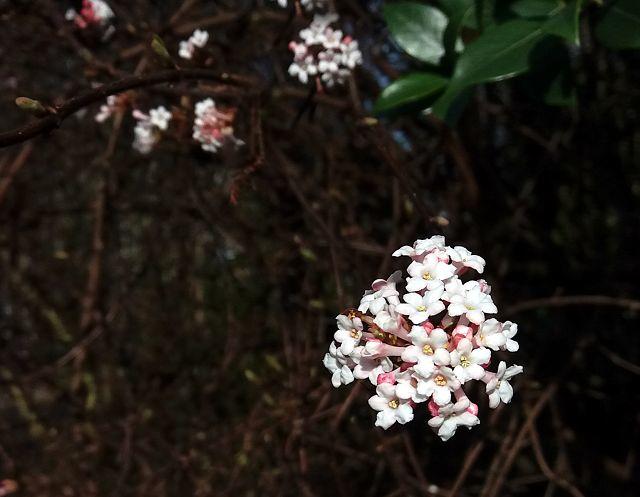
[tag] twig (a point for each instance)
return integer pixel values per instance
(61, 112)
(546, 469)
(14, 169)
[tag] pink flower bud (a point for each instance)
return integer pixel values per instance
(433, 408)
(387, 378)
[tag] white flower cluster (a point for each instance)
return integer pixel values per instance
(198, 39)
(425, 348)
(308, 5)
(93, 12)
(324, 54)
(147, 130)
(213, 126)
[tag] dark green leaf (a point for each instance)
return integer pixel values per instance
(499, 53)
(418, 29)
(620, 26)
(536, 8)
(415, 91)
(566, 22)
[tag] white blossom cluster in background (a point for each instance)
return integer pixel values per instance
(148, 129)
(93, 12)
(324, 54)
(198, 39)
(309, 5)
(213, 127)
(423, 339)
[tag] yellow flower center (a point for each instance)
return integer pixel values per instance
(393, 404)
(464, 361)
(352, 314)
(427, 276)
(440, 380)
(355, 333)
(421, 308)
(427, 350)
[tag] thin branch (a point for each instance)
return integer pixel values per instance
(61, 112)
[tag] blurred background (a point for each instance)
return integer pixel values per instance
(163, 317)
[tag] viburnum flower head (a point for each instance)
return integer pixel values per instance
(213, 127)
(324, 55)
(93, 12)
(147, 132)
(426, 340)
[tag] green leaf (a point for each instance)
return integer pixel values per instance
(620, 26)
(418, 29)
(412, 92)
(536, 8)
(461, 13)
(566, 22)
(499, 53)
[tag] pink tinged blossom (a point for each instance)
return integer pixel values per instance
(324, 53)
(420, 307)
(498, 387)
(386, 378)
(213, 127)
(382, 293)
(429, 274)
(349, 333)
(452, 416)
(467, 362)
(93, 12)
(390, 407)
(468, 300)
(371, 368)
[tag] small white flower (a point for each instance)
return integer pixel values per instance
(160, 117)
(461, 257)
(440, 384)
(451, 416)
(498, 388)
(371, 368)
(421, 247)
(387, 321)
(338, 365)
(349, 333)
(490, 335)
(428, 274)
(188, 47)
(419, 308)
(390, 407)
(428, 349)
(468, 300)
(467, 362)
(382, 292)
(509, 330)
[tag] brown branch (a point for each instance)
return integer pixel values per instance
(61, 112)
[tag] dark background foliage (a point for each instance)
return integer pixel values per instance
(158, 338)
